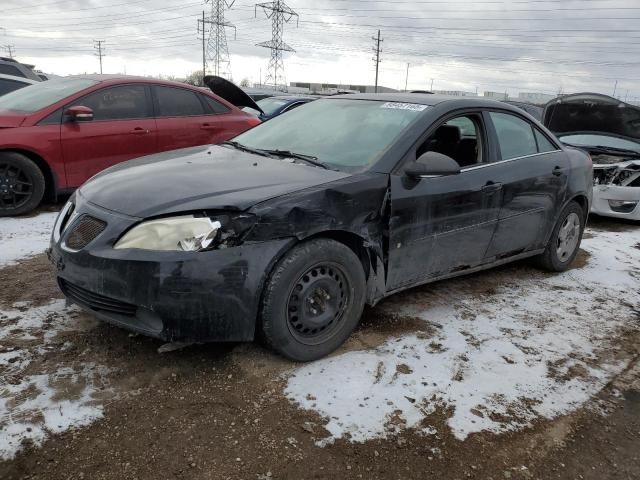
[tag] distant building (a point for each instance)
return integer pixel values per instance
(455, 93)
(333, 88)
(535, 97)
(496, 95)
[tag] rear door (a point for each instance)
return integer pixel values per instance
(186, 118)
(533, 172)
(122, 128)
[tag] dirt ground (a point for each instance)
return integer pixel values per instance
(218, 412)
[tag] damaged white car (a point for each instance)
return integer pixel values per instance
(610, 131)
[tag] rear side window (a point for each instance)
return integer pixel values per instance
(214, 107)
(7, 86)
(117, 103)
(515, 136)
(176, 102)
(544, 145)
(11, 70)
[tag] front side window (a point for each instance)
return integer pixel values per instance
(515, 136)
(40, 95)
(459, 138)
(117, 103)
(178, 102)
(11, 70)
(344, 134)
(7, 86)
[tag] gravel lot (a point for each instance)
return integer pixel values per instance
(511, 373)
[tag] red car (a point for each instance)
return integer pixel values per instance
(55, 135)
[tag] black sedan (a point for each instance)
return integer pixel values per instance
(292, 227)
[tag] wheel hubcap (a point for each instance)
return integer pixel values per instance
(317, 304)
(16, 187)
(568, 237)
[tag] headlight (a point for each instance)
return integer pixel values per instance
(185, 233)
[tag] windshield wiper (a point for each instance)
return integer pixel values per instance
(605, 149)
(244, 148)
(310, 159)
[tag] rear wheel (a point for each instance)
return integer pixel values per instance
(565, 239)
(313, 300)
(21, 184)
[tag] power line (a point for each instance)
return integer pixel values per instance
(97, 44)
(279, 13)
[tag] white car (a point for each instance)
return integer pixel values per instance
(610, 131)
(9, 83)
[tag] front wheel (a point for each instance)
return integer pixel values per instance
(21, 184)
(565, 239)
(313, 300)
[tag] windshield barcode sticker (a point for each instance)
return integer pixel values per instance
(415, 107)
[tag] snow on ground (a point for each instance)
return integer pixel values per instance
(46, 399)
(25, 236)
(537, 348)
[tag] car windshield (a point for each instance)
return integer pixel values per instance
(40, 95)
(270, 105)
(343, 134)
(591, 140)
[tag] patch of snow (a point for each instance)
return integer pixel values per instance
(34, 405)
(24, 237)
(496, 362)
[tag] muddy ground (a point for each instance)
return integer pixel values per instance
(218, 411)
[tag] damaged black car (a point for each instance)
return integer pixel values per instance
(290, 229)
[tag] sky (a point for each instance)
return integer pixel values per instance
(546, 46)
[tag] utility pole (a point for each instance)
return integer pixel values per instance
(97, 44)
(202, 29)
(406, 80)
(376, 50)
(615, 87)
(10, 50)
(279, 13)
(217, 49)
(431, 89)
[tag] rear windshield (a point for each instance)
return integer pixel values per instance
(40, 95)
(271, 105)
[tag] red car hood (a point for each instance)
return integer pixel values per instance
(9, 120)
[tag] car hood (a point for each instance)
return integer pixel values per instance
(230, 92)
(199, 178)
(592, 113)
(10, 120)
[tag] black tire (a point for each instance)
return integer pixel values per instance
(552, 259)
(22, 184)
(313, 300)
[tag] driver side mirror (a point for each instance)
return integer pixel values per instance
(79, 113)
(432, 164)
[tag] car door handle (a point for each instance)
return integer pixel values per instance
(139, 131)
(491, 187)
(557, 171)
(208, 126)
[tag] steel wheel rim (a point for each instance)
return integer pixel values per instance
(568, 237)
(16, 187)
(317, 303)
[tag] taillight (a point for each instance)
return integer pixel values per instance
(253, 121)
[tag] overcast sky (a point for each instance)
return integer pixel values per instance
(499, 45)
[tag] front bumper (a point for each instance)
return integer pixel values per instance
(603, 193)
(185, 296)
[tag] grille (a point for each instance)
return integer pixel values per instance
(96, 301)
(84, 231)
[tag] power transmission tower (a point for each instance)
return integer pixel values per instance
(217, 49)
(98, 45)
(10, 50)
(376, 50)
(279, 13)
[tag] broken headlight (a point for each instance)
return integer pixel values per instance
(187, 233)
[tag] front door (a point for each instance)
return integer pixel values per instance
(122, 128)
(444, 224)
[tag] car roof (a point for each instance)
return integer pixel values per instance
(18, 79)
(423, 99)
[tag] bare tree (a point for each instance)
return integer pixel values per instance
(195, 78)
(245, 82)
